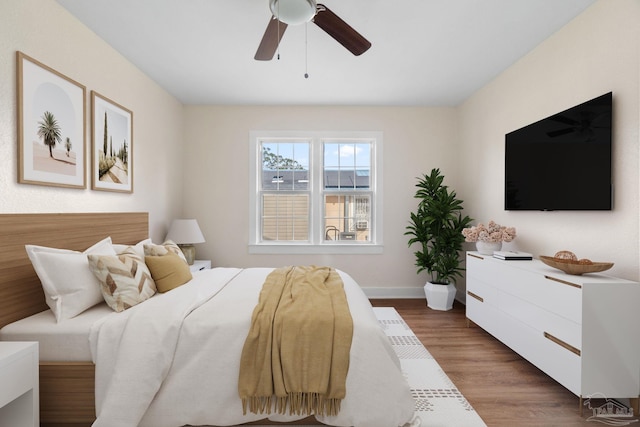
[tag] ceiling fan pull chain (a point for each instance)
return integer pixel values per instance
(306, 51)
(278, 57)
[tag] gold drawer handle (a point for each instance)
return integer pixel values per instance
(564, 282)
(476, 256)
(562, 343)
(471, 294)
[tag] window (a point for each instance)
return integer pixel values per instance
(315, 192)
(284, 191)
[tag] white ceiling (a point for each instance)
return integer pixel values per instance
(424, 52)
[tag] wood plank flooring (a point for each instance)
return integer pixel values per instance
(504, 389)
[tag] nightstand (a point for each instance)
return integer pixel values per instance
(19, 384)
(200, 264)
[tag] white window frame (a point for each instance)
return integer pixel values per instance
(317, 244)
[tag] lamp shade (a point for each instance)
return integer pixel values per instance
(185, 231)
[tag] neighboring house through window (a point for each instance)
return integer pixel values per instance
(316, 192)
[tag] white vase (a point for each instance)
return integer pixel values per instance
(440, 297)
(487, 248)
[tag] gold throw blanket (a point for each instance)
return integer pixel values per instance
(296, 354)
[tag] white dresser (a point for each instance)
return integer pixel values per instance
(19, 385)
(580, 330)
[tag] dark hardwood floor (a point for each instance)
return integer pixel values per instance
(503, 388)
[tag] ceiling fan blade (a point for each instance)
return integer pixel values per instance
(344, 34)
(562, 119)
(270, 40)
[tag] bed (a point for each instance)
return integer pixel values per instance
(68, 383)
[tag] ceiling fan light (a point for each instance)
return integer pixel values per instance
(293, 12)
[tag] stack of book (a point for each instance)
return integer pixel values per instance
(512, 255)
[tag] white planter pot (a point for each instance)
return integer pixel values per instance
(440, 297)
(488, 248)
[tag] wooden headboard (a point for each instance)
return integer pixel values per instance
(21, 293)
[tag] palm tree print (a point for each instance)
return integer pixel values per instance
(49, 131)
(68, 145)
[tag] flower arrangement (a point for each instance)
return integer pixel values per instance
(489, 233)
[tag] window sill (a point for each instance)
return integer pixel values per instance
(303, 249)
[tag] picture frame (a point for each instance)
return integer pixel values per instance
(112, 145)
(51, 126)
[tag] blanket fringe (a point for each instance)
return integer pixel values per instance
(256, 405)
(298, 404)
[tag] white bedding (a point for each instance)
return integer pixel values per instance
(174, 359)
(67, 341)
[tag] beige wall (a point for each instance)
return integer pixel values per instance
(217, 177)
(45, 31)
(596, 53)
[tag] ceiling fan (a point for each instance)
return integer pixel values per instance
(584, 126)
(296, 12)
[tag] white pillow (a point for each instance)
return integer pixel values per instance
(138, 247)
(69, 285)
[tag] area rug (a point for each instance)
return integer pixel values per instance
(438, 402)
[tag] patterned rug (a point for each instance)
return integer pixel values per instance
(438, 401)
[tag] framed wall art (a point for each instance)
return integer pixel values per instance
(51, 126)
(112, 142)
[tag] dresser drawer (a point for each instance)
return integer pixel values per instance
(557, 361)
(481, 268)
(554, 296)
(558, 296)
(522, 280)
(540, 319)
(483, 315)
(482, 291)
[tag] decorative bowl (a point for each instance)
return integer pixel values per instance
(574, 267)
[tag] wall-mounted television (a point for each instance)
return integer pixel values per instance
(562, 162)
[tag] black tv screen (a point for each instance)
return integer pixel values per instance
(562, 162)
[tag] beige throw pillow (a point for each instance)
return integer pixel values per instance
(168, 271)
(124, 280)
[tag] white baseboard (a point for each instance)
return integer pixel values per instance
(401, 293)
(393, 293)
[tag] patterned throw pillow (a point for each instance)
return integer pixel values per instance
(168, 271)
(125, 280)
(138, 247)
(163, 249)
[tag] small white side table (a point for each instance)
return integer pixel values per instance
(19, 384)
(200, 264)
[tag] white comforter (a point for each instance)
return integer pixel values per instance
(174, 359)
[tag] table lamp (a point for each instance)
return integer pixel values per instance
(186, 232)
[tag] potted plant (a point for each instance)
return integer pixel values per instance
(436, 226)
